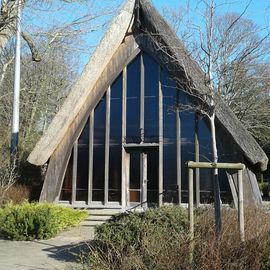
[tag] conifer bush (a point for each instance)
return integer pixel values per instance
(28, 221)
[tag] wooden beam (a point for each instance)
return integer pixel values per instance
(209, 165)
(190, 213)
(241, 206)
(124, 131)
(178, 154)
(144, 179)
(190, 203)
(74, 173)
(142, 99)
(197, 159)
(233, 190)
(100, 60)
(91, 155)
(127, 171)
(107, 146)
(160, 167)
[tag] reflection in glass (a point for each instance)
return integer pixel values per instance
(151, 99)
(134, 178)
(115, 160)
(187, 116)
(133, 101)
(99, 150)
(66, 191)
(83, 164)
(169, 139)
(152, 176)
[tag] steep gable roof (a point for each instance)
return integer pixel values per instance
(151, 23)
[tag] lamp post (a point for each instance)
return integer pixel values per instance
(16, 95)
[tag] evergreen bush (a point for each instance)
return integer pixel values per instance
(28, 221)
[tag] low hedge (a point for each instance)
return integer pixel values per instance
(125, 231)
(28, 221)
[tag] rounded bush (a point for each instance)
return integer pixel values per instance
(29, 221)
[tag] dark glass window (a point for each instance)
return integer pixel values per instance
(151, 99)
(152, 176)
(115, 160)
(206, 182)
(187, 117)
(133, 101)
(83, 164)
(134, 178)
(99, 150)
(66, 191)
(169, 139)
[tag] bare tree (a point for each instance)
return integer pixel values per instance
(231, 51)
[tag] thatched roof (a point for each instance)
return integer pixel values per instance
(152, 22)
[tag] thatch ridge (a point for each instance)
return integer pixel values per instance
(76, 98)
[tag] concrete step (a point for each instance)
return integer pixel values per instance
(104, 212)
(97, 218)
(91, 223)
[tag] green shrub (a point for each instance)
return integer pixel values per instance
(29, 221)
(139, 240)
(127, 230)
(265, 188)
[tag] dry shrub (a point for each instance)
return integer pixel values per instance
(16, 194)
(226, 251)
(164, 249)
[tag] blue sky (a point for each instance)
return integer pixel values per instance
(258, 11)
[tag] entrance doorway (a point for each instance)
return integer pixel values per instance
(142, 176)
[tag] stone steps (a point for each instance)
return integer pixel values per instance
(98, 216)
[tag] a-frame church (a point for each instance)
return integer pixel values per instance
(128, 127)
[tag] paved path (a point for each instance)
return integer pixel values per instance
(59, 253)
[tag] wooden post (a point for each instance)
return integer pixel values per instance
(190, 201)
(160, 171)
(142, 100)
(190, 213)
(178, 154)
(144, 180)
(91, 155)
(124, 158)
(107, 146)
(197, 159)
(217, 202)
(74, 174)
(241, 206)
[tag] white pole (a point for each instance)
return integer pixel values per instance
(16, 97)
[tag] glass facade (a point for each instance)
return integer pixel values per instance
(136, 154)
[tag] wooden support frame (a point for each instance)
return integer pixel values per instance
(124, 195)
(160, 167)
(178, 154)
(142, 99)
(74, 172)
(107, 146)
(197, 159)
(91, 155)
(207, 165)
(144, 180)
(241, 205)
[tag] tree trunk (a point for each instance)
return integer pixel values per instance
(217, 199)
